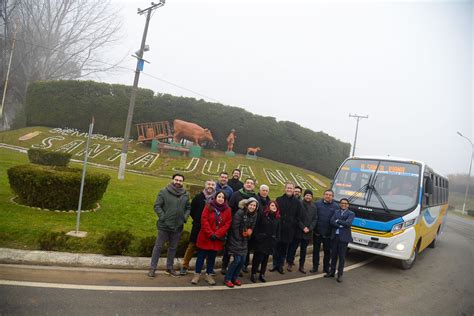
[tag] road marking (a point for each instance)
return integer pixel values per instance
(172, 289)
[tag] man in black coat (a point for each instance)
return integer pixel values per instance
(322, 232)
(290, 210)
(341, 236)
(197, 206)
(304, 231)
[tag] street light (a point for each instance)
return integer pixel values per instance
(469, 173)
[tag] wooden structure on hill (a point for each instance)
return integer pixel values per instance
(161, 131)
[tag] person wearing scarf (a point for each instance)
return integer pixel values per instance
(197, 207)
(243, 224)
(215, 222)
(265, 236)
(172, 207)
(244, 193)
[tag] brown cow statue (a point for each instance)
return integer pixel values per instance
(191, 132)
(253, 150)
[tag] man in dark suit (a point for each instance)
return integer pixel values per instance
(341, 236)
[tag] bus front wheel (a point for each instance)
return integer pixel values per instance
(407, 264)
(435, 240)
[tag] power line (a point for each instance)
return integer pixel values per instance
(358, 117)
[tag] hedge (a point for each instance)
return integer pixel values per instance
(56, 187)
(48, 158)
(72, 103)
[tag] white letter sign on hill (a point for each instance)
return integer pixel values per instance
(206, 169)
(118, 152)
(47, 142)
(246, 171)
(273, 177)
(70, 146)
(302, 181)
(146, 160)
(191, 166)
(94, 150)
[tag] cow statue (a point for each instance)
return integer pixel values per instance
(253, 150)
(191, 132)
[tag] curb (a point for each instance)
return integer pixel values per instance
(68, 259)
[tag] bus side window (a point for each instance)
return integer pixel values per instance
(427, 191)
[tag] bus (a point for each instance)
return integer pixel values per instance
(400, 205)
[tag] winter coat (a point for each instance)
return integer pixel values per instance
(308, 218)
(342, 222)
(325, 212)
(266, 233)
(227, 190)
(172, 210)
(237, 243)
(210, 226)
(238, 196)
(290, 210)
(197, 207)
(235, 184)
(262, 202)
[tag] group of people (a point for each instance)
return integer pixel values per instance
(229, 216)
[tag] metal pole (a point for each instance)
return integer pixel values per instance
(358, 117)
(468, 174)
(2, 119)
(84, 167)
(123, 156)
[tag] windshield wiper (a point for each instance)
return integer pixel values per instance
(362, 189)
(379, 197)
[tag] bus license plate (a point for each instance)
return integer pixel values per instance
(361, 241)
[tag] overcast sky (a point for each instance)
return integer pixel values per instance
(408, 65)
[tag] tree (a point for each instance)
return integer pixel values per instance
(56, 39)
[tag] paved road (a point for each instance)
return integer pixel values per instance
(441, 283)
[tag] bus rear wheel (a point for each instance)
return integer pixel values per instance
(435, 240)
(408, 264)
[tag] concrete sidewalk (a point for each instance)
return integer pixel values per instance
(54, 258)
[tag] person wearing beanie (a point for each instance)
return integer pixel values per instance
(243, 224)
(304, 230)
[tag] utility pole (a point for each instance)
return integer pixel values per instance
(3, 118)
(469, 173)
(140, 60)
(358, 117)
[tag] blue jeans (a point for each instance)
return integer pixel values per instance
(234, 269)
(211, 259)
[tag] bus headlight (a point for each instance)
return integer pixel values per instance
(398, 227)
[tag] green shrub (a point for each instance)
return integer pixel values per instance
(53, 241)
(183, 243)
(116, 242)
(48, 158)
(145, 247)
(470, 212)
(56, 187)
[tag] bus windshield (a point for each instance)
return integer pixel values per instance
(389, 185)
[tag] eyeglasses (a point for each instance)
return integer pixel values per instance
(344, 203)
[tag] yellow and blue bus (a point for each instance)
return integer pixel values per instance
(400, 205)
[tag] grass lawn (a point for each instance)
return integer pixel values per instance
(126, 205)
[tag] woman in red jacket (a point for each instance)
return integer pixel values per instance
(215, 222)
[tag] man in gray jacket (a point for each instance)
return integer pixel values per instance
(173, 208)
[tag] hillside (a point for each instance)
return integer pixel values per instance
(105, 152)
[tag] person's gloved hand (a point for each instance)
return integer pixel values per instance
(213, 237)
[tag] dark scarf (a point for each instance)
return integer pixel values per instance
(175, 191)
(246, 194)
(219, 207)
(208, 197)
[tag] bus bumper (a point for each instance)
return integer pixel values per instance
(399, 246)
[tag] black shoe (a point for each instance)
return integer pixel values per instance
(262, 278)
(253, 278)
(245, 269)
(172, 272)
(273, 269)
(223, 270)
(151, 273)
(313, 270)
(289, 268)
(339, 279)
(301, 269)
(329, 275)
(280, 270)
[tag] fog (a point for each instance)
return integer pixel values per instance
(407, 65)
